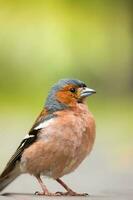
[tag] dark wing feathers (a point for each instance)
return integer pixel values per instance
(26, 142)
(17, 155)
(39, 121)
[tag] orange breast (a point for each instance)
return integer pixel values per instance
(62, 145)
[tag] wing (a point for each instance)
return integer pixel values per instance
(41, 122)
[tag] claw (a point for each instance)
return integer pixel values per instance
(47, 194)
(71, 193)
(36, 193)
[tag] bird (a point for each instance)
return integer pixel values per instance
(60, 139)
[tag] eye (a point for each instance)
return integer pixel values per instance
(73, 90)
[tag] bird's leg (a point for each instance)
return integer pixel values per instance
(44, 189)
(69, 192)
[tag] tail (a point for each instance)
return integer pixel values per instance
(7, 178)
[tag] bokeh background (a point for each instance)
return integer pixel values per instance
(43, 41)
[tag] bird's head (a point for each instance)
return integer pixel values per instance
(67, 93)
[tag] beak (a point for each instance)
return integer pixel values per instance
(85, 92)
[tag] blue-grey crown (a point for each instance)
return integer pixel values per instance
(52, 104)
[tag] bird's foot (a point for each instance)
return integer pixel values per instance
(47, 194)
(71, 193)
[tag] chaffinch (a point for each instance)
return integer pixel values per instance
(60, 139)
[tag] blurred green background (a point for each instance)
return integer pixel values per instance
(43, 41)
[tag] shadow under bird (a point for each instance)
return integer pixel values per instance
(60, 139)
